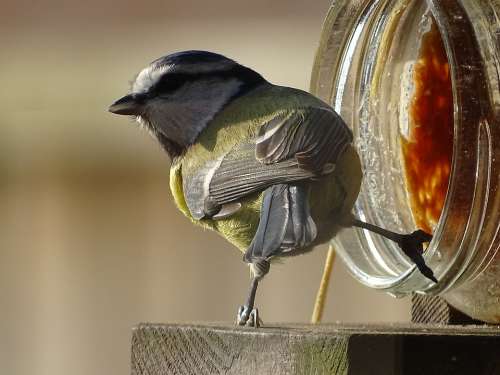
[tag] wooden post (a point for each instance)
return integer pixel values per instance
(435, 310)
(320, 349)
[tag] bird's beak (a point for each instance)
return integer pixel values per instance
(128, 105)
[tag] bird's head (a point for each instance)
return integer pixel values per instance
(177, 95)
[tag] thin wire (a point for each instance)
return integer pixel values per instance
(319, 305)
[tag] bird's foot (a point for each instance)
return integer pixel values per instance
(412, 246)
(248, 317)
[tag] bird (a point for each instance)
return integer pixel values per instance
(272, 169)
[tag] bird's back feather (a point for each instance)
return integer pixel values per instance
(240, 122)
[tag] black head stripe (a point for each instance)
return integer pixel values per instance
(171, 82)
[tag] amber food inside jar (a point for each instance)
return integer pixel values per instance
(427, 152)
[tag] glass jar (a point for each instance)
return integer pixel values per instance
(371, 67)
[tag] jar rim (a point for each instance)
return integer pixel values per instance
(471, 161)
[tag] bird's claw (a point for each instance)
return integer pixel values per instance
(412, 246)
(415, 240)
(248, 317)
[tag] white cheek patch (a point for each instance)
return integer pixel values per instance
(182, 117)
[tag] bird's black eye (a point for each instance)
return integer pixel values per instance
(169, 83)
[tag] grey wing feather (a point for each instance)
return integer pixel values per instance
(292, 146)
(315, 137)
(241, 174)
(285, 223)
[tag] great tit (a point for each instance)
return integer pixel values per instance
(270, 168)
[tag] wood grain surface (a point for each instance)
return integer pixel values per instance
(324, 349)
(435, 310)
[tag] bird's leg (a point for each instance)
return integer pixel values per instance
(411, 244)
(247, 314)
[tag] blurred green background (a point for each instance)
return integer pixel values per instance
(90, 241)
